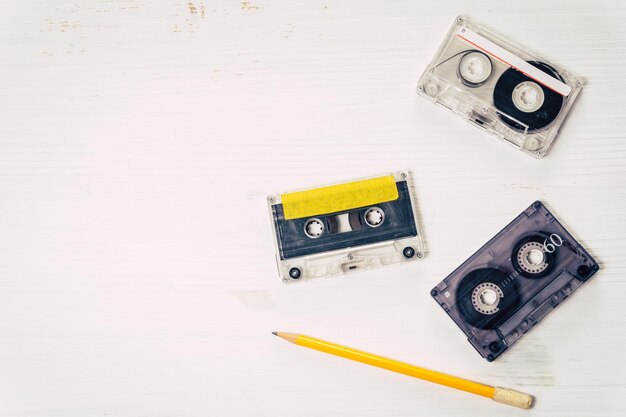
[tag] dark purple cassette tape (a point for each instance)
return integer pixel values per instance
(514, 280)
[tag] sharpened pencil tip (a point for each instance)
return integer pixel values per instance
(275, 334)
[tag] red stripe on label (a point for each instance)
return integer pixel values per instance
(510, 65)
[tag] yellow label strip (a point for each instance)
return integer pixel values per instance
(339, 197)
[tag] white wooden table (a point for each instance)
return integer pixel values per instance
(138, 140)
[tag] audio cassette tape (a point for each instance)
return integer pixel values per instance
(514, 280)
(345, 227)
(500, 87)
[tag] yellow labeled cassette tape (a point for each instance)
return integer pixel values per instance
(345, 227)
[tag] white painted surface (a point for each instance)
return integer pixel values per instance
(138, 141)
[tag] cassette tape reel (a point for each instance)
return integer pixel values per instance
(345, 227)
(514, 280)
(499, 87)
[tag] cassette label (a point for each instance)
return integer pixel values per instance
(514, 281)
(339, 228)
(513, 61)
(500, 87)
(340, 197)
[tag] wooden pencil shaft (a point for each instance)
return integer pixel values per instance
(498, 394)
(391, 364)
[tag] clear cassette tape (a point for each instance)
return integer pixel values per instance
(514, 280)
(345, 227)
(500, 87)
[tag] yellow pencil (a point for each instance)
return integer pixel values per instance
(501, 395)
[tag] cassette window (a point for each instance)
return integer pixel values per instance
(514, 280)
(345, 227)
(500, 87)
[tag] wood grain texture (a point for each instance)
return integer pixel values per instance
(138, 141)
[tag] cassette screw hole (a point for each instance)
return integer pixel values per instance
(583, 271)
(490, 357)
(295, 273)
(433, 292)
(494, 346)
(408, 252)
(420, 254)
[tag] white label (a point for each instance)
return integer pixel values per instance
(513, 61)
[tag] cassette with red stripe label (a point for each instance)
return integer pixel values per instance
(500, 87)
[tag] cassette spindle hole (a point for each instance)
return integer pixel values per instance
(531, 258)
(314, 228)
(535, 257)
(474, 68)
(528, 96)
(374, 216)
(486, 298)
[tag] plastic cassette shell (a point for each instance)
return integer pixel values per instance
(339, 238)
(530, 297)
(442, 84)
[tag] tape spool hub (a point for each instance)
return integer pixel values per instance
(474, 68)
(314, 228)
(528, 96)
(374, 216)
(486, 296)
(530, 257)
